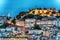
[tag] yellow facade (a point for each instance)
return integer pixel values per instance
(43, 12)
(58, 14)
(54, 14)
(46, 33)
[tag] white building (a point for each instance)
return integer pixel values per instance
(20, 23)
(35, 31)
(2, 19)
(58, 36)
(48, 22)
(8, 29)
(45, 22)
(30, 22)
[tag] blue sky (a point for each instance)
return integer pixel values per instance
(15, 6)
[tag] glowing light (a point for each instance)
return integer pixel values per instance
(18, 24)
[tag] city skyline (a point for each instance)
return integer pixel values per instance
(15, 6)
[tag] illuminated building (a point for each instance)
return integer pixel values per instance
(35, 31)
(58, 14)
(44, 12)
(30, 22)
(3, 18)
(49, 21)
(20, 23)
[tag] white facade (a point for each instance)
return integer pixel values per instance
(48, 22)
(58, 36)
(2, 19)
(2, 30)
(19, 23)
(35, 31)
(30, 20)
(56, 22)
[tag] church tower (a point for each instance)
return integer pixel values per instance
(8, 14)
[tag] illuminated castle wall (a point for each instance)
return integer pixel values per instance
(45, 12)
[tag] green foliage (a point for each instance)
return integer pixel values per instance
(57, 16)
(37, 27)
(58, 11)
(4, 25)
(29, 16)
(20, 14)
(13, 21)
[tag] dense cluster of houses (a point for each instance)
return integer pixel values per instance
(49, 21)
(22, 26)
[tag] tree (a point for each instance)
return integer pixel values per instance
(14, 21)
(37, 27)
(58, 11)
(57, 16)
(4, 25)
(20, 14)
(28, 16)
(27, 32)
(8, 18)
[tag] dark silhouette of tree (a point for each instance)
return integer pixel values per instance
(8, 18)
(18, 16)
(58, 11)
(57, 16)
(33, 12)
(53, 12)
(22, 13)
(29, 16)
(37, 27)
(4, 25)
(27, 32)
(14, 21)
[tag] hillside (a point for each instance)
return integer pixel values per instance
(38, 13)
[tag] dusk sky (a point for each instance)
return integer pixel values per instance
(15, 6)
